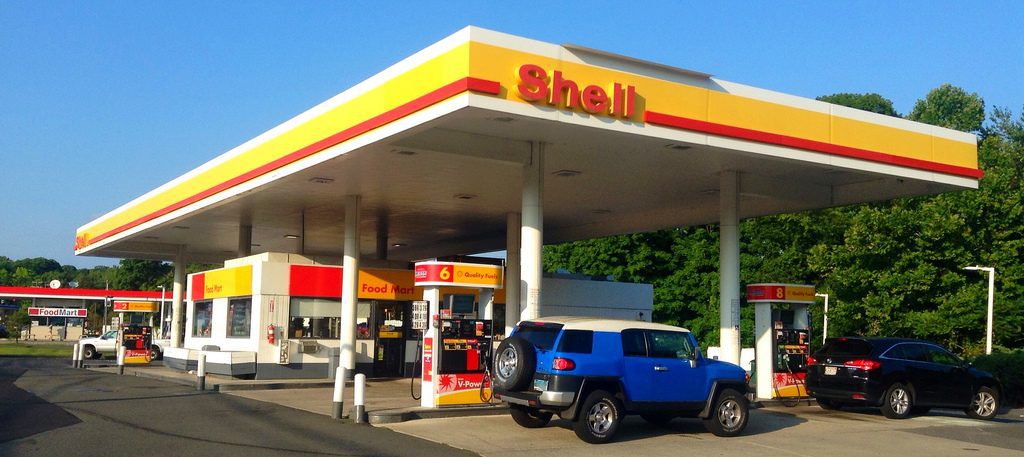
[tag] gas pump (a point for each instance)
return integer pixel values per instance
(136, 340)
(457, 343)
(782, 335)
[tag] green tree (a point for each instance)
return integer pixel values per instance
(867, 102)
(951, 107)
(132, 274)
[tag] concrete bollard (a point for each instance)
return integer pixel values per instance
(339, 393)
(120, 360)
(359, 398)
(201, 372)
(76, 356)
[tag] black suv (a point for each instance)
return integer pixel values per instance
(903, 376)
(594, 371)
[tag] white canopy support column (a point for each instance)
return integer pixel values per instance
(244, 241)
(729, 266)
(513, 313)
(350, 284)
(177, 296)
(532, 232)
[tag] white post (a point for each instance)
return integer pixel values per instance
(177, 295)
(432, 295)
(120, 359)
(763, 354)
(486, 309)
(729, 266)
(76, 356)
(532, 233)
(339, 393)
(991, 298)
(350, 284)
(513, 313)
(201, 372)
(359, 398)
(824, 323)
(163, 299)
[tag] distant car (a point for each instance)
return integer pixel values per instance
(96, 347)
(595, 371)
(902, 376)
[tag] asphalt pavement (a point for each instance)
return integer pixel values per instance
(48, 408)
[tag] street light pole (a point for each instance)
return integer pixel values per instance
(991, 298)
(824, 326)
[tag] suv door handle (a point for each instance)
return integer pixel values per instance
(660, 368)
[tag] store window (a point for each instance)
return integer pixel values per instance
(240, 317)
(202, 316)
(363, 320)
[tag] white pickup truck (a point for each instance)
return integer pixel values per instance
(98, 346)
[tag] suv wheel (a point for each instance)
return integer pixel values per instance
(984, 404)
(897, 402)
(154, 353)
(600, 418)
(730, 414)
(89, 352)
(514, 363)
(529, 417)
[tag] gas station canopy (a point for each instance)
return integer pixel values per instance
(435, 146)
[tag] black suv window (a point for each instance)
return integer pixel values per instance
(634, 344)
(576, 341)
(915, 352)
(942, 357)
(543, 336)
(670, 345)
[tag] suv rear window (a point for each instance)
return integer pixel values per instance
(576, 342)
(846, 347)
(540, 335)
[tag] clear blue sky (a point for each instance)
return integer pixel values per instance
(101, 102)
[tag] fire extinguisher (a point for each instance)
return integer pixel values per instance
(271, 334)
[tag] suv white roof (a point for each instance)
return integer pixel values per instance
(603, 324)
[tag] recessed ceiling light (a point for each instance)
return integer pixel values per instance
(291, 237)
(567, 173)
(678, 147)
(464, 196)
(405, 152)
(182, 227)
(601, 211)
(255, 245)
(321, 180)
(399, 245)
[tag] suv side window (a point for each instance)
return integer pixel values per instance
(942, 357)
(576, 342)
(634, 344)
(670, 345)
(915, 352)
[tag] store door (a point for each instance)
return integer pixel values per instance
(389, 320)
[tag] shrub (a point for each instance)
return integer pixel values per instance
(1008, 367)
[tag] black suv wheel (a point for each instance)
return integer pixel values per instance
(514, 363)
(599, 418)
(984, 404)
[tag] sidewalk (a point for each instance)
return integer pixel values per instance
(387, 400)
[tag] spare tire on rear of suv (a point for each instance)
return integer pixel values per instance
(514, 364)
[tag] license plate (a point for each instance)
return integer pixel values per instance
(831, 371)
(540, 384)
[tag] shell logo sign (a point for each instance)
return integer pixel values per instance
(618, 101)
(459, 274)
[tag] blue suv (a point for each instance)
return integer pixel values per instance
(594, 371)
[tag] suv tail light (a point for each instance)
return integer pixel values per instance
(563, 364)
(811, 361)
(864, 364)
